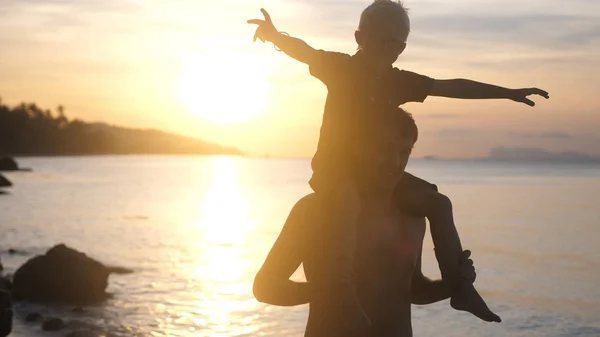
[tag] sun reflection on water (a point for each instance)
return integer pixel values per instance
(225, 302)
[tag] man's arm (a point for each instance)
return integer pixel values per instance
(468, 89)
(272, 284)
(426, 291)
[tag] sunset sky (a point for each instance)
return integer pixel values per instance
(190, 67)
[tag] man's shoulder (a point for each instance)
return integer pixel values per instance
(310, 207)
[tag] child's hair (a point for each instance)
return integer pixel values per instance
(391, 9)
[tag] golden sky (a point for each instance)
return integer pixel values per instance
(190, 67)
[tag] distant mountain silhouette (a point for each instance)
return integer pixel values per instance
(26, 129)
(539, 154)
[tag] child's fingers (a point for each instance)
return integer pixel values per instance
(266, 14)
(259, 34)
(256, 22)
(540, 92)
(528, 101)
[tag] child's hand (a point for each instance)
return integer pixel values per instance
(266, 30)
(465, 267)
(520, 95)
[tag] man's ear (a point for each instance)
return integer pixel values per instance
(402, 48)
(359, 38)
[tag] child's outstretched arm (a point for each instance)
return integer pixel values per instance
(292, 46)
(467, 89)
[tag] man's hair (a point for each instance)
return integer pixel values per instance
(398, 119)
(407, 124)
(380, 9)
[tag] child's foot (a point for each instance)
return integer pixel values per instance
(468, 299)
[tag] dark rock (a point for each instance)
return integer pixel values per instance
(77, 309)
(61, 275)
(33, 317)
(5, 283)
(53, 324)
(8, 164)
(6, 313)
(4, 182)
(13, 251)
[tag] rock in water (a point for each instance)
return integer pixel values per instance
(53, 324)
(6, 283)
(33, 317)
(8, 164)
(4, 182)
(6, 313)
(61, 275)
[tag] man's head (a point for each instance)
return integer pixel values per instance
(389, 141)
(383, 30)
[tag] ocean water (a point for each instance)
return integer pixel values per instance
(196, 230)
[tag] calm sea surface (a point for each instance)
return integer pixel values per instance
(196, 230)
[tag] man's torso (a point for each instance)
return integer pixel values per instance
(387, 251)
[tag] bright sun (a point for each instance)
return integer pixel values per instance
(224, 88)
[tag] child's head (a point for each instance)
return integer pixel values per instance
(383, 30)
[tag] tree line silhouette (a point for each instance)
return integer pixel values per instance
(26, 129)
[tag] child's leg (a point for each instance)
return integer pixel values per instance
(420, 198)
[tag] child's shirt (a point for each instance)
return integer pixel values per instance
(351, 101)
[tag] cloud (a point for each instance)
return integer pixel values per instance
(454, 132)
(535, 153)
(556, 135)
(497, 34)
(93, 6)
(518, 28)
(40, 20)
(541, 135)
(439, 116)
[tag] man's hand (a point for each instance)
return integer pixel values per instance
(466, 269)
(520, 95)
(266, 31)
